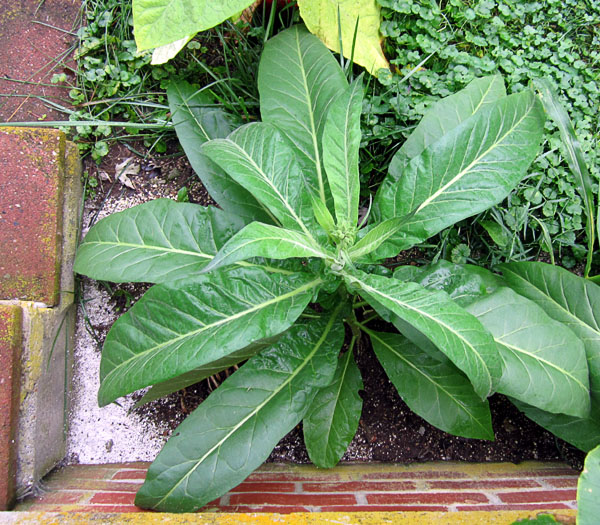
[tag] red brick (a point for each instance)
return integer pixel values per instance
(537, 506)
(255, 486)
(562, 482)
(10, 353)
(559, 471)
(278, 509)
(291, 499)
(359, 486)
(114, 498)
(92, 484)
(63, 497)
(130, 474)
(484, 484)
(388, 508)
(420, 474)
(536, 496)
(292, 477)
(439, 498)
(31, 181)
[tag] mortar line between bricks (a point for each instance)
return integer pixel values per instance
(298, 488)
(224, 501)
(361, 498)
(494, 498)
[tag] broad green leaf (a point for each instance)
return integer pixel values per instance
(264, 240)
(436, 391)
(583, 433)
(258, 157)
(333, 417)
(160, 22)
(464, 283)
(544, 363)
(233, 431)
(455, 332)
(197, 119)
(588, 490)
(444, 116)
(326, 18)
(570, 299)
(575, 158)
(158, 241)
(468, 170)
(298, 80)
(375, 237)
(177, 327)
(341, 142)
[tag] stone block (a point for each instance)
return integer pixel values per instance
(10, 350)
(32, 173)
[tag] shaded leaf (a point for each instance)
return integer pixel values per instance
(544, 363)
(158, 241)
(570, 299)
(198, 374)
(581, 432)
(177, 327)
(297, 102)
(454, 331)
(333, 417)
(197, 119)
(464, 283)
(436, 391)
(325, 18)
(234, 430)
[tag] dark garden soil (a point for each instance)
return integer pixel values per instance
(388, 430)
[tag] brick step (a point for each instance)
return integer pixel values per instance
(283, 489)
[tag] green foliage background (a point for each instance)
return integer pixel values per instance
(437, 48)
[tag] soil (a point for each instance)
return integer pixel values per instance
(388, 430)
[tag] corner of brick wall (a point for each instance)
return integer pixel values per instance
(40, 199)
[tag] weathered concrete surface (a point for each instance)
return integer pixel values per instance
(32, 172)
(31, 53)
(46, 359)
(10, 349)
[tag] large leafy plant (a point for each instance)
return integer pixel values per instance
(289, 274)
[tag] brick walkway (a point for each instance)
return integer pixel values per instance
(444, 487)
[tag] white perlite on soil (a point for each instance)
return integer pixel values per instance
(113, 433)
(110, 434)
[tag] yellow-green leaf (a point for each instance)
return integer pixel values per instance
(321, 19)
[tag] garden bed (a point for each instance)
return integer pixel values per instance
(388, 431)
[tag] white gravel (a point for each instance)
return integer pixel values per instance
(110, 434)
